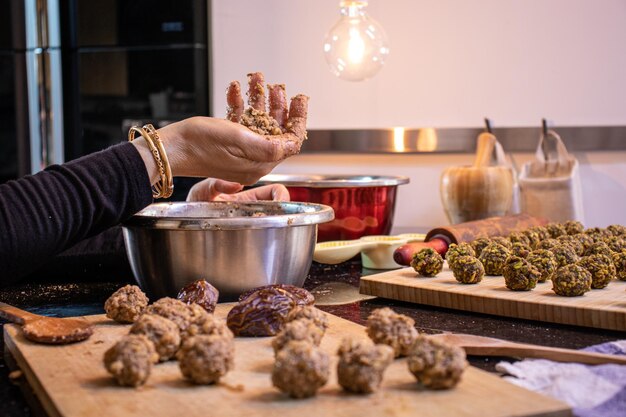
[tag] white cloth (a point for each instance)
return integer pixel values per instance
(551, 187)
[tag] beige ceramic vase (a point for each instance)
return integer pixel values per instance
(479, 191)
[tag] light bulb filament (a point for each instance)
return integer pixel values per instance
(356, 47)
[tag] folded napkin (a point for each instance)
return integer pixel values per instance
(592, 391)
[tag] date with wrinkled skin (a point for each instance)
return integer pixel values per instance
(201, 293)
(262, 313)
(301, 296)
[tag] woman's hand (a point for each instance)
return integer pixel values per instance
(210, 147)
(213, 189)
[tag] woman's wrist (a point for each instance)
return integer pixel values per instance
(148, 159)
(171, 143)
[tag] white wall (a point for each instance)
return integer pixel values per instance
(452, 62)
(603, 176)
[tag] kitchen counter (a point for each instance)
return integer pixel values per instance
(336, 287)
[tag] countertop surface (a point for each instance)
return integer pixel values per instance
(336, 291)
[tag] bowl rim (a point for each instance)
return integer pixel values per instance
(333, 181)
(301, 214)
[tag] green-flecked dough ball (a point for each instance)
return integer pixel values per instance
(541, 231)
(617, 230)
(519, 275)
(571, 280)
(564, 254)
(427, 262)
(454, 251)
(521, 250)
(615, 243)
(503, 241)
(619, 260)
(533, 237)
(493, 258)
(547, 244)
(545, 262)
(576, 244)
(601, 269)
(599, 247)
(585, 239)
(468, 270)
(573, 227)
(479, 244)
(555, 230)
(520, 237)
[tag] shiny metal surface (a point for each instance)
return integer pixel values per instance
(333, 181)
(172, 244)
(458, 140)
(363, 205)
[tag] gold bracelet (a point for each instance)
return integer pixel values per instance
(168, 183)
(158, 189)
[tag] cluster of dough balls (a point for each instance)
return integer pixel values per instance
(167, 329)
(435, 364)
(301, 367)
(573, 258)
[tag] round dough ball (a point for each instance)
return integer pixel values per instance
(204, 359)
(545, 262)
(573, 227)
(207, 324)
(311, 313)
(455, 251)
(163, 333)
(301, 329)
(599, 247)
(619, 260)
(362, 364)
(493, 258)
(564, 254)
(521, 250)
(427, 262)
(300, 369)
(479, 244)
(600, 267)
(130, 360)
(573, 242)
(174, 310)
(556, 230)
(389, 328)
(617, 230)
(502, 241)
(571, 281)
(547, 244)
(468, 270)
(519, 237)
(519, 275)
(435, 364)
(126, 304)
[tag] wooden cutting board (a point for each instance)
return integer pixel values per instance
(605, 308)
(71, 382)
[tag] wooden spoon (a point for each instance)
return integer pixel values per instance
(50, 330)
(488, 346)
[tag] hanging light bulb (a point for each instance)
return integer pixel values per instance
(356, 47)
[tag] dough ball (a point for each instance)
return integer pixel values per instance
(204, 359)
(300, 369)
(130, 360)
(362, 364)
(435, 364)
(389, 328)
(163, 333)
(126, 304)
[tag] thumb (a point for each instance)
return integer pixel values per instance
(211, 188)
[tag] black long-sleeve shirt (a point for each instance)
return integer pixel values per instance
(44, 214)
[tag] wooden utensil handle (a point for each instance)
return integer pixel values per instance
(494, 226)
(14, 314)
(404, 254)
(544, 352)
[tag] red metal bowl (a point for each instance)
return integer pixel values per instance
(364, 205)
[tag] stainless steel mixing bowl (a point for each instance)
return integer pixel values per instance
(234, 246)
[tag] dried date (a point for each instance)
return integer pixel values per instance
(262, 313)
(201, 293)
(301, 296)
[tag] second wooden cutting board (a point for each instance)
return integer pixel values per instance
(604, 308)
(71, 382)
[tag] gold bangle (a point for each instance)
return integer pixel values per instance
(168, 183)
(158, 188)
